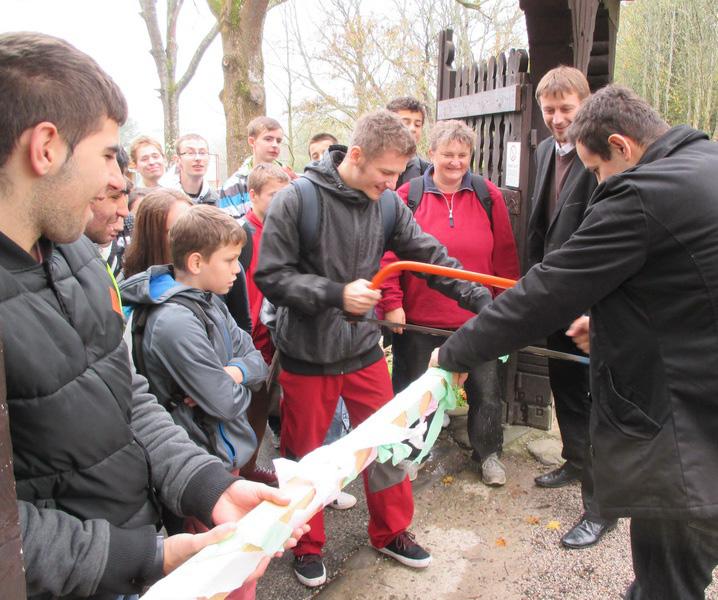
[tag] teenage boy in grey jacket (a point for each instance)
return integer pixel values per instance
(213, 365)
(322, 355)
(92, 450)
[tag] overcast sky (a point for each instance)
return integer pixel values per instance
(114, 34)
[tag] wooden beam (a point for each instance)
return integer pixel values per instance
(500, 100)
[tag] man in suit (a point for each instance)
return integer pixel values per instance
(561, 192)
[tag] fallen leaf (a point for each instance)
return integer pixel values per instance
(447, 480)
(553, 525)
(501, 542)
(531, 520)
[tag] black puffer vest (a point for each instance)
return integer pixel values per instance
(68, 386)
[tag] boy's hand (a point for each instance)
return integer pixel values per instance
(242, 496)
(396, 316)
(235, 373)
(359, 298)
(183, 546)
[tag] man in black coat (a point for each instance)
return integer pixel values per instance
(561, 192)
(645, 262)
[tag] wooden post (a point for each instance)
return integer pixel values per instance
(12, 575)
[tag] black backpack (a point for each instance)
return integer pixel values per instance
(245, 257)
(309, 213)
(416, 192)
(139, 322)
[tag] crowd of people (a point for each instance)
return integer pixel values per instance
(153, 327)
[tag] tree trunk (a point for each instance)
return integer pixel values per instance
(165, 58)
(12, 575)
(241, 25)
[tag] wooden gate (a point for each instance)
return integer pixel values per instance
(496, 99)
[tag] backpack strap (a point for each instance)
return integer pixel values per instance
(245, 257)
(139, 321)
(197, 311)
(387, 202)
(139, 324)
(478, 183)
(308, 213)
(416, 192)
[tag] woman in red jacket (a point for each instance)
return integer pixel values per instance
(450, 209)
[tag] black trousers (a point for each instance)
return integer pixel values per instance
(411, 353)
(672, 560)
(571, 393)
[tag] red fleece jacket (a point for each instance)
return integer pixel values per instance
(470, 240)
(260, 334)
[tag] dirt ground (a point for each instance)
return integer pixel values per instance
(488, 543)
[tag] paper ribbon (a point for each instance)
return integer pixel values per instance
(311, 483)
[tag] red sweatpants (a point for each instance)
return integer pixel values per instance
(307, 409)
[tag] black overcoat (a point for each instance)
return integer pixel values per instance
(645, 262)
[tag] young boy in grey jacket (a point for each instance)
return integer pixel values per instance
(199, 363)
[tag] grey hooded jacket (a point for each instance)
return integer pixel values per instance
(306, 284)
(90, 445)
(176, 348)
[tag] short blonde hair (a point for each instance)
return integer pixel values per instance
(561, 81)
(204, 229)
(262, 174)
(143, 140)
(260, 124)
(444, 132)
(186, 138)
(380, 131)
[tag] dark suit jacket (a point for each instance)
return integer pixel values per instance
(543, 238)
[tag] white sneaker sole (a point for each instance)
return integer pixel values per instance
(409, 562)
(315, 582)
(343, 502)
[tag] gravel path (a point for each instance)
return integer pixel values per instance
(492, 544)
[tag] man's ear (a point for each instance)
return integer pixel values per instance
(193, 262)
(251, 140)
(355, 154)
(621, 145)
(46, 149)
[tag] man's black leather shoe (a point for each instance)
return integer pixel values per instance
(587, 532)
(564, 475)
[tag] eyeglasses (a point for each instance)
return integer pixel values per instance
(195, 154)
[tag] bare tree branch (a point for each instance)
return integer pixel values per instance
(148, 13)
(197, 57)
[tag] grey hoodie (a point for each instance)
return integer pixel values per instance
(306, 284)
(176, 348)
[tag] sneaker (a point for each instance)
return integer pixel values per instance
(309, 569)
(492, 471)
(275, 440)
(343, 501)
(404, 549)
(261, 475)
(411, 469)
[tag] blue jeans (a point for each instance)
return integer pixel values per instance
(340, 423)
